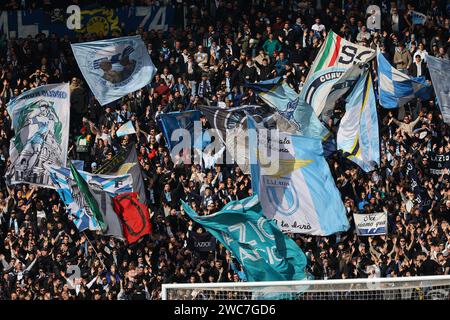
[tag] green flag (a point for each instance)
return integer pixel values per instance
(87, 198)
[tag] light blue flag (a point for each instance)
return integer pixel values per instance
(298, 194)
(358, 134)
(287, 102)
(126, 129)
(290, 106)
(418, 18)
(396, 88)
(265, 253)
(440, 74)
(68, 190)
(114, 67)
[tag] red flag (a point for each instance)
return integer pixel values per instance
(134, 216)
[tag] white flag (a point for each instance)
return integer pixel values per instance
(371, 224)
(126, 129)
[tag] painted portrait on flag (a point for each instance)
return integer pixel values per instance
(40, 120)
(112, 68)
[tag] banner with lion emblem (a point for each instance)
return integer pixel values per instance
(40, 118)
(114, 67)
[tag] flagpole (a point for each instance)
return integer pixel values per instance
(93, 248)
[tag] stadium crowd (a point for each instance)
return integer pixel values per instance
(208, 62)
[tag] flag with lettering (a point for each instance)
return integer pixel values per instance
(288, 104)
(40, 119)
(231, 127)
(418, 17)
(265, 253)
(371, 224)
(331, 74)
(202, 242)
(294, 183)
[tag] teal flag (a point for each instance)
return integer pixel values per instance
(265, 253)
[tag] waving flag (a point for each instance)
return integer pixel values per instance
(134, 216)
(124, 162)
(301, 196)
(396, 88)
(265, 253)
(114, 67)
(103, 188)
(418, 18)
(89, 202)
(40, 118)
(358, 131)
(421, 196)
(290, 106)
(172, 121)
(287, 102)
(440, 75)
(330, 77)
(231, 125)
(126, 129)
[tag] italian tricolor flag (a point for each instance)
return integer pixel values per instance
(338, 52)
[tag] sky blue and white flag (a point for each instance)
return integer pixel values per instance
(40, 118)
(231, 128)
(287, 102)
(126, 129)
(396, 88)
(418, 17)
(357, 135)
(265, 253)
(64, 183)
(114, 67)
(332, 73)
(298, 194)
(371, 224)
(440, 75)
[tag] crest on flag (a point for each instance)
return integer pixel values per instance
(114, 67)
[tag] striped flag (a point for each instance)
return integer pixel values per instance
(104, 187)
(358, 132)
(328, 78)
(396, 88)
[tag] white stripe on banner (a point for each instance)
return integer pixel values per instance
(371, 224)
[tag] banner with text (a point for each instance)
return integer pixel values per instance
(371, 224)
